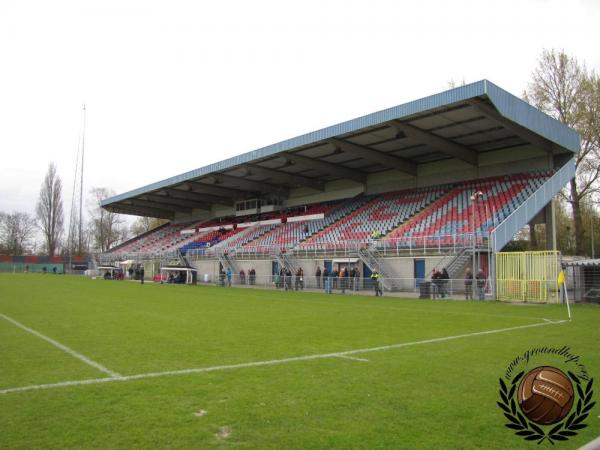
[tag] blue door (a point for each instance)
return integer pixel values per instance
(327, 265)
(419, 271)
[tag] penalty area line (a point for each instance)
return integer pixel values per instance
(345, 354)
(63, 347)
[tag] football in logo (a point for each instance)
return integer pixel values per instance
(545, 395)
(548, 403)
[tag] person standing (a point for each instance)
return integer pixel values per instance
(334, 274)
(356, 279)
(318, 277)
(435, 284)
(481, 284)
(297, 280)
(376, 283)
(288, 279)
(444, 279)
(327, 280)
(142, 274)
(228, 275)
(343, 279)
(468, 285)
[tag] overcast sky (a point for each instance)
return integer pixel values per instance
(172, 86)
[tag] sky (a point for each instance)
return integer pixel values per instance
(175, 85)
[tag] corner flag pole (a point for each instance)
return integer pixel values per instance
(562, 283)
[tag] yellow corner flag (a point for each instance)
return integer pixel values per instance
(561, 278)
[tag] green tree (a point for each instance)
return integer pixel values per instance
(16, 233)
(107, 228)
(49, 210)
(564, 89)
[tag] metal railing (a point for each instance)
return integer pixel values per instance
(447, 244)
(405, 246)
(527, 210)
(411, 287)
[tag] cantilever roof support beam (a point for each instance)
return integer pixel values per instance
(381, 158)
(523, 133)
(439, 143)
(162, 199)
(202, 198)
(159, 206)
(250, 185)
(285, 177)
(204, 188)
(140, 211)
(326, 167)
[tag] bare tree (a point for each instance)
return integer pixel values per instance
(107, 228)
(49, 210)
(16, 232)
(144, 224)
(563, 89)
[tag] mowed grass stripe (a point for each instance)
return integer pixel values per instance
(345, 354)
(62, 347)
(26, 359)
(138, 329)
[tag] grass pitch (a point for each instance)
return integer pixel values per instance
(439, 391)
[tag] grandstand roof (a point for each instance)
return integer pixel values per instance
(460, 123)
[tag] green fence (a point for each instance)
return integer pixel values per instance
(31, 267)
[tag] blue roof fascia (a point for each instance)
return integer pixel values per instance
(509, 106)
(396, 112)
(522, 113)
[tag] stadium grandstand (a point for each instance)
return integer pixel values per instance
(443, 181)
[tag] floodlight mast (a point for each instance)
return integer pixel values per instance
(81, 183)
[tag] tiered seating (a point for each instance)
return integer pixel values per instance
(247, 235)
(452, 215)
(210, 238)
(161, 239)
(290, 234)
(381, 214)
(440, 214)
(244, 235)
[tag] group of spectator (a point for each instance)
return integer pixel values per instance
(251, 277)
(440, 280)
(178, 278)
(480, 283)
(343, 278)
(136, 273)
(439, 283)
(228, 274)
(284, 279)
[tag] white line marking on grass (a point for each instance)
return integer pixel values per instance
(353, 358)
(64, 348)
(592, 445)
(274, 361)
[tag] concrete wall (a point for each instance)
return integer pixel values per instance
(403, 267)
